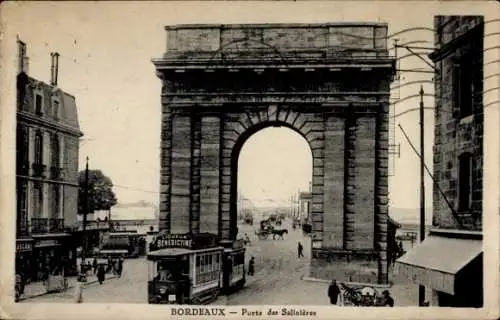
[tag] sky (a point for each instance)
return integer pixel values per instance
(105, 61)
(273, 165)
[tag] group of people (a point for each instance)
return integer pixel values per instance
(334, 293)
(114, 265)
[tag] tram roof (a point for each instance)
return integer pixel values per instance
(175, 252)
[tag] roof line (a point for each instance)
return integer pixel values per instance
(274, 25)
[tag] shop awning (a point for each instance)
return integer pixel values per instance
(435, 262)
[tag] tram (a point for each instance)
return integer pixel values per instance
(193, 268)
(233, 266)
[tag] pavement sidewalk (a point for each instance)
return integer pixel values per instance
(38, 289)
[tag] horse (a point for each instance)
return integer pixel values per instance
(279, 233)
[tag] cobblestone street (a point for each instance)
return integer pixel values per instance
(279, 272)
(278, 279)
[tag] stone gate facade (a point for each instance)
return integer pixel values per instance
(328, 82)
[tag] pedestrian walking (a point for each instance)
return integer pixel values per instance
(246, 239)
(95, 265)
(101, 274)
(22, 282)
(79, 292)
(18, 287)
(333, 292)
(120, 267)
(251, 267)
(300, 250)
(388, 300)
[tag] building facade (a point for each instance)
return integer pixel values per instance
(46, 174)
(449, 261)
(305, 205)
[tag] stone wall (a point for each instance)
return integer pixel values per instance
(180, 199)
(368, 37)
(333, 229)
(351, 266)
(454, 134)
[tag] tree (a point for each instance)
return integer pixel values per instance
(100, 192)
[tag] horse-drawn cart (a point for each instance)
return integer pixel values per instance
(263, 234)
(266, 229)
(363, 296)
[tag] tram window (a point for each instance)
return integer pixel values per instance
(167, 270)
(207, 270)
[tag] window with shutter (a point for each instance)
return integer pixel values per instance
(466, 88)
(55, 151)
(465, 182)
(38, 147)
(55, 109)
(38, 103)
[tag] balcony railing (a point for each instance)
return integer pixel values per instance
(56, 173)
(39, 225)
(45, 225)
(39, 170)
(56, 225)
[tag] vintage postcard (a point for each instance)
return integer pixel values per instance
(250, 160)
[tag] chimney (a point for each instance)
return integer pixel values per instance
(54, 69)
(22, 59)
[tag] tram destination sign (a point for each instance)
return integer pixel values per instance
(185, 240)
(174, 241)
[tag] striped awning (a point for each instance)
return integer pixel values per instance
(435, 262)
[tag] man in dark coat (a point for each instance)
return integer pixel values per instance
(101, 273)
(94, 265)
(388, 300)
(300, 250)
(251, 266)
(120, 266)
(333, 292)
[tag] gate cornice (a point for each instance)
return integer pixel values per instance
(260, 64)
(341, 109)
(205, 100)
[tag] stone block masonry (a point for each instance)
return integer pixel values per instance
(181, 175)
(210, 174)
(333, 229)
(223, 83)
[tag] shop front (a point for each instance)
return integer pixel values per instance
(451, 264)
(53, 258)
(24, 252)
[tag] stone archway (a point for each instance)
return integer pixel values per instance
(333, 91)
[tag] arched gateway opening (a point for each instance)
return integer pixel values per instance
(329, 82)
(287, 132)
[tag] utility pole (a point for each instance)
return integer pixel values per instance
(421, 289)
(298, 202)
(86, 210)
